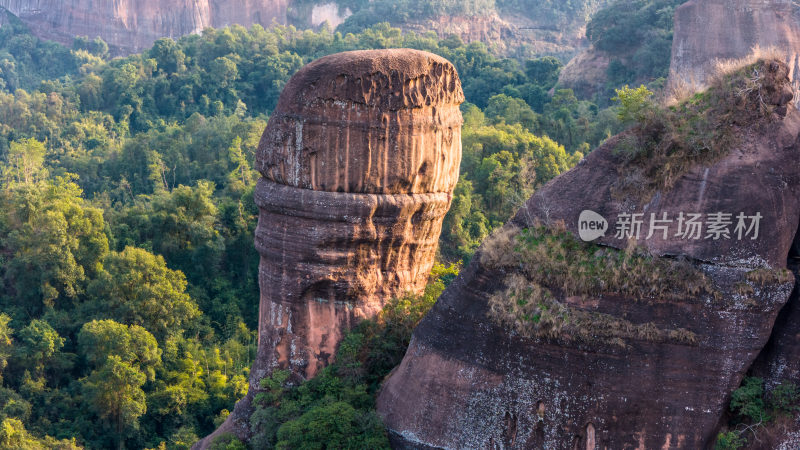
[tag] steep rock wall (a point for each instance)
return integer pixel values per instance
(130, 26)
(358, 163)
(645, 371)
(711, 30)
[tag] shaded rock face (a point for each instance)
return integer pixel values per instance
(359, 161)
(468, 382)
(130, 26)
(710, 30)
(780, 360)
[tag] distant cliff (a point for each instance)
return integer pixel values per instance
(519, 27)
(133, 25)
(710, 30)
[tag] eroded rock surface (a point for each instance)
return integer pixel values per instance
(129, 26)
(710, 30)
(359, 161)
(629, 360)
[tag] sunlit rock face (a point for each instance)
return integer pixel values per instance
(622, 366)
(358, 161)
(129, 26)
(711, 30)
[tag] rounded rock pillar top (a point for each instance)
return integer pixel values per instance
(375, 121)
(359, 162)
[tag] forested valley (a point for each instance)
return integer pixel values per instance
(128, 308)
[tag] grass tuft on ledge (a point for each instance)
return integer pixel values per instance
(541, 260)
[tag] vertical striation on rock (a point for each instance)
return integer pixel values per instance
(624, 351)
(711, 30)
(358, 163)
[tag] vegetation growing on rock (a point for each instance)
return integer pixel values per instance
(667, 141)
(548, 263)
(758, 414)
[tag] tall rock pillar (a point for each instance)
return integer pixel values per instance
(358, 164)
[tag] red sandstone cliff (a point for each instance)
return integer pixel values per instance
(711, 30)
(130, 26)
(544, 342)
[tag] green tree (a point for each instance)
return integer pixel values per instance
(26, 162)
(465, 225)
(634, 103)
(543, 71)
(114, 393)
(168, 55)
(6, 342)
(37, 344)
(55, 241)
(137, 288)
(13, 435)
(511, 111)
(748, 400)
(731, 440)
(134, 345)
(337, 425)
(242, 175)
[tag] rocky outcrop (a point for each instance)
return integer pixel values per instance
(633, 341)
(489, 28)
(502, 36)
(130, 26)
(711, 30)
(5, 17)
(586, 73)
(359, 162)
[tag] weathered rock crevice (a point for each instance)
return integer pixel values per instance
(779, 361)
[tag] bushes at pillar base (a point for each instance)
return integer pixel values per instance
(759, 415)
(332, 408)
(729, 441)
(227, 441)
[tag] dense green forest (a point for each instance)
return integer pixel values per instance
(129, 297)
